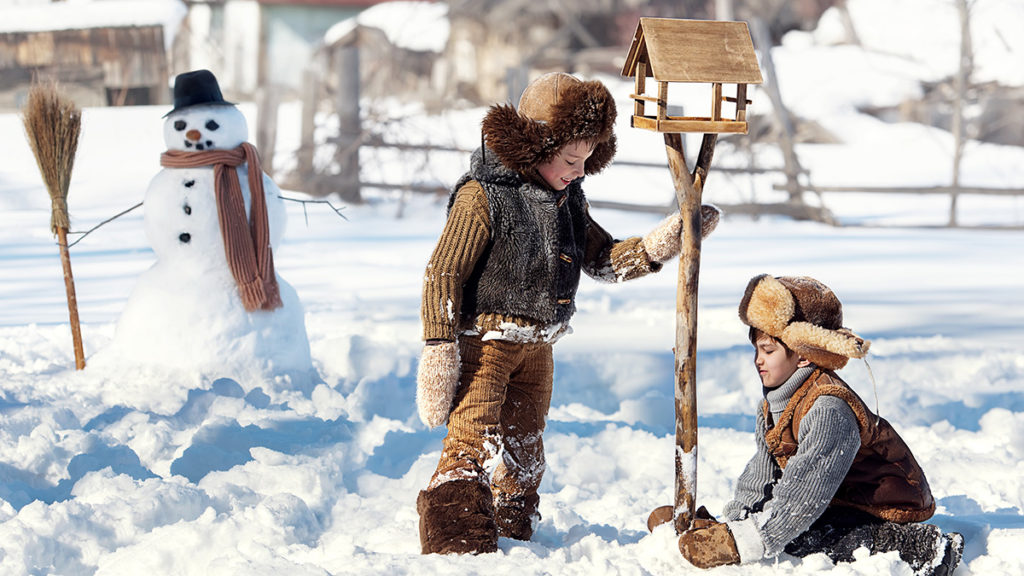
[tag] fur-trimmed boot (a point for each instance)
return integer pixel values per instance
(457, 517)
(516, 516)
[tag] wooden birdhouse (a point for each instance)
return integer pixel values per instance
(715, 53)
(702, 51)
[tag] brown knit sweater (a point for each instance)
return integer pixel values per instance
(464, 239)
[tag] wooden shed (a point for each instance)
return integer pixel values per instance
(694, 51)
(102, 66)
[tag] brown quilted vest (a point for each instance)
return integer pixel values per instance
(885, 480)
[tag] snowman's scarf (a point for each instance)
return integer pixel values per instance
(247, 246)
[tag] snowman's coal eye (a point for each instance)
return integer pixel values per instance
(212, 125)
(180, 125)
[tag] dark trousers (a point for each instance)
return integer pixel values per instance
(840, 531)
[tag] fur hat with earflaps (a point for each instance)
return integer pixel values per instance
(554, 110)
(805, 315)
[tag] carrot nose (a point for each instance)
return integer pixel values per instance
(193, 135)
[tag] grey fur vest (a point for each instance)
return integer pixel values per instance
(531, 268)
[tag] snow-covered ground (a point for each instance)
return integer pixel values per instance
(120, 469)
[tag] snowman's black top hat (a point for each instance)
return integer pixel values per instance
(197, 87)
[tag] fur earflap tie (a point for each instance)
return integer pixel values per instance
(246, 246)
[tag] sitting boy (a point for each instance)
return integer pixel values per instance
(829, 476)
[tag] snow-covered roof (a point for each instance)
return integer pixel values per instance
(38, 16)
(421, 26)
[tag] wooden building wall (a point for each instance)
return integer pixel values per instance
(96, 66)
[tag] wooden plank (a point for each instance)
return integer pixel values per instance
(637, 48)
(645, 98)
(678, 124)
(945, 190)
(662, 101)
(796, 211)
(699, 51)
(640, 85)
(716, 101)
(741, 102)
(693, 119)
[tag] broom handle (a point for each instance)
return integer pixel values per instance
(69, 285)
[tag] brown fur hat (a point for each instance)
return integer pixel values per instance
(805, 315)
(554, 110)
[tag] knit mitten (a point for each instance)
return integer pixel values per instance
(663, 243)
(710, 546)
(437, 378)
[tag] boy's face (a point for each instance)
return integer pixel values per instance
(775, 364)
(567, 164)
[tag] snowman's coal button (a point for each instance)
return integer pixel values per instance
(187, 209)
(185, 237)
(189, 183)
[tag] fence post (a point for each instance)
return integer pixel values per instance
(349, 124)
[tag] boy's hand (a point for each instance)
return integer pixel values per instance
(437, 378)
(664, 242)
(710, 546)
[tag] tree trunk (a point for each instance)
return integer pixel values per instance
(960, 83)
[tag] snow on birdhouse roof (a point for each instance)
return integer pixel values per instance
(677, 50)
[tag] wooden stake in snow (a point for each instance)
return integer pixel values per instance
(52, 124)
(712, 52)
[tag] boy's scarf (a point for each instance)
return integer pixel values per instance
(246, 245)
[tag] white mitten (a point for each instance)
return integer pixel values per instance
(664, 242)
(437, 378)
(709, 216)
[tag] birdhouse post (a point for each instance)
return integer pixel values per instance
(717, 53)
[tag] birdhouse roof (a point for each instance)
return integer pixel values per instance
(677, 50)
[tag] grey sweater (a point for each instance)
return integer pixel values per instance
(772, 505)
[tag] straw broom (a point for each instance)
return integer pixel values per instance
(52, 124)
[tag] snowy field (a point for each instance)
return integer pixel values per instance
(121, 469)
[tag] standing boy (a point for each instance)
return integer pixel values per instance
(828, 475)
(500, 289)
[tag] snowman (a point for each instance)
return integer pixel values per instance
(212, 303)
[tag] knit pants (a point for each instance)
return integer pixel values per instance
(500, 408)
